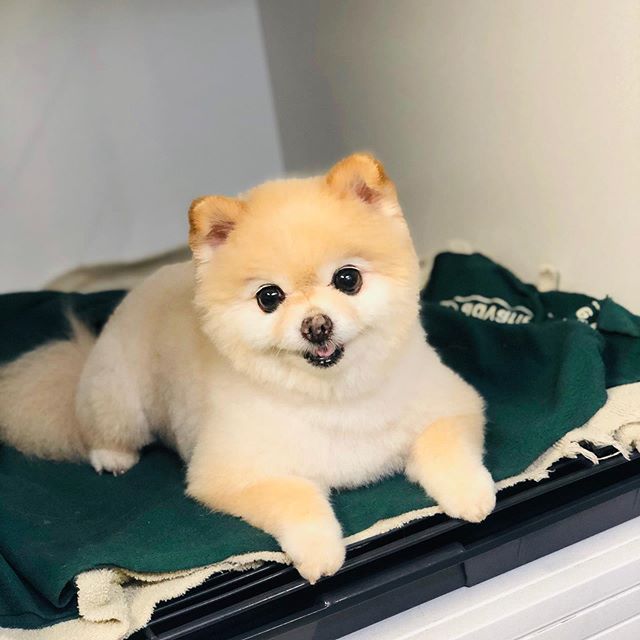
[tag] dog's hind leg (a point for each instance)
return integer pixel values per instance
(109, 408)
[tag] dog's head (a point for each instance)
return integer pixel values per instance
(310, 284)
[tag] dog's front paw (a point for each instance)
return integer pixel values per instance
(470, 496)
(315, 548)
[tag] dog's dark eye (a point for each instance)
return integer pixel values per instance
(348, 280)
(269, 297)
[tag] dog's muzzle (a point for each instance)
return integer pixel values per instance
(318, 331)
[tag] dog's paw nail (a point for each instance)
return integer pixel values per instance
(115, 462)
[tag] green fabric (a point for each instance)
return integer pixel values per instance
(542, 376)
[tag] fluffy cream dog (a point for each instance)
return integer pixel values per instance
(285, 360)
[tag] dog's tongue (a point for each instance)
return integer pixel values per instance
(326, 350)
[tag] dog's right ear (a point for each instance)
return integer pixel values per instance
(361, 176)
(211, 220)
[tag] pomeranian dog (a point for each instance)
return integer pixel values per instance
(285, 360)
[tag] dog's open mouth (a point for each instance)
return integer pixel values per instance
(325, 355)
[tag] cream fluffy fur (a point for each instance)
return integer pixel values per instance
(189, 357)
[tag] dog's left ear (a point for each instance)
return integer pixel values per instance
(363, 177)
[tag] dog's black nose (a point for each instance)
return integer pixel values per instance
(317, 329)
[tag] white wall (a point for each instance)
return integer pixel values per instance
(512, 124)
(113, 116)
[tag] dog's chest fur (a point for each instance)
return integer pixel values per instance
(335, 443)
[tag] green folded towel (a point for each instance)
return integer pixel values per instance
(543, 361)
